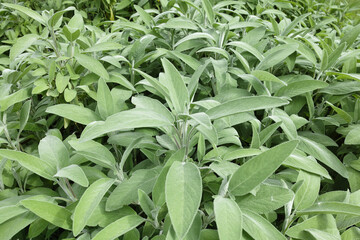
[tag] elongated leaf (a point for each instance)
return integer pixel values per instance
(308, 192)
(104, 99)
(158, 193)
(249, 48)
(52, 150)
(11, 227)
(293, 24)
(29, 12)
(30, 162)
(228, 218)
(180, 22)
(183, 181)
(331, 208)
(267, 199)
(195, 36)
(276, 55)
(16, 97)
(104, 46)
(300, 87)
(127, 191)
(174, 83)
(74, 173)
(88, 202)
(323, 154)
(22, 44)
(51, 212)
(92, 65)
(244, 104)
(324, 222)
(119, 227)
(353, 137)
(266, 76)
(259, 228)
(257, 169)
(8, 212)
(209, 11)
(134, 118)
(95, 152)
(74, 113)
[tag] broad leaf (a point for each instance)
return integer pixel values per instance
(259, 168)
(183, 181)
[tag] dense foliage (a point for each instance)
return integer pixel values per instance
(180, 119)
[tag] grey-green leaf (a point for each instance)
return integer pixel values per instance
(92, 65)
(53, 213)
(119, 227)
(88, 202)
(183, 181)
(74, 113)
(245, 104)
(74, 173)
(228, 218)
(259, 168)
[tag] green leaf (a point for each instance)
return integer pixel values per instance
(22, 44)
(299, 87)
(308, 191)
(183, 181)
(145, 202)
(158, 193)
(244, 104)
(8, 212)
(351, 233)
(353, 137)
(69, 94)
(266, 76)
(74, 113)
(228, 218)
(323, 154)
(30, 162)
(24, 115)
(268, 198)
(52, 150)
(134, 118)
(196, 35)
(209, 11)
(92, 65)
(347, 117)
(16, 97)
(51, 212)
(88, 202)
(105, 102)
(276, 55)
(104, 46)
(61, 82)
(293, 24)
(179, 94)
(31, 13)
(11, 227)
(146, 17)
(324, 222)
(180, 22)
(259, 228)
(119, 227)
(259, 168)
(247, 47)
(127, 191)
(320, 235)
(95, 152)
(331, 208)
(74, 173)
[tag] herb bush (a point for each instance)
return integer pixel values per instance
(180, 119)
